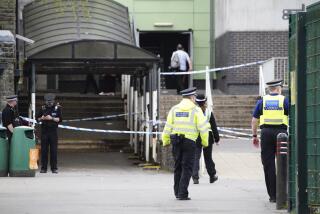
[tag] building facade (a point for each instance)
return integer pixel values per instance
(249, 31)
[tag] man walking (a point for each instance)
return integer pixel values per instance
(271, 113)
(50, 116)
(207, 152)
(180, 61)
(184, 123)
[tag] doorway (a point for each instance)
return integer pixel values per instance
(163, 44)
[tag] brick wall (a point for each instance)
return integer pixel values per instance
(234, 48)
(8, 15)
(7, 51)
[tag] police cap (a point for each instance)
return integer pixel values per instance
(189, 91)
(201, 99)
(273, 83)
(12, 98)
(49, 97)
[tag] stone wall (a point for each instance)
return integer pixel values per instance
(7, 51)
(229, 111)
(233, 48)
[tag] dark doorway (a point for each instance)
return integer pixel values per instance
(163, 44)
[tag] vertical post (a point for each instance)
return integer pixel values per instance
(147, 103)
(302, 175)
(154, 109)
(135, 116)
(33, 93)
(150, 106)
(262, 90)
(143, 119)
(131, 110)
(282, 172)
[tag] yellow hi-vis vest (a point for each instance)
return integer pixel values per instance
(186, 119)
(273, 111)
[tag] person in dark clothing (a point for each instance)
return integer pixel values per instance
(207, 152)
(10, 115)
(91, 81)
(49, 116)
(271, 113)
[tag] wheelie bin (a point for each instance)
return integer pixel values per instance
(4, 152)
(22, 143)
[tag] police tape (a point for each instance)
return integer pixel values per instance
(234, 132)
(136, 132)
(100, 117)
(213, 69)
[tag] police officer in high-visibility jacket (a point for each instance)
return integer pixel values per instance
(185, 122)
(271, 113)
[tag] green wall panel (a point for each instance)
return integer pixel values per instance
(173, 6)
(200, 21)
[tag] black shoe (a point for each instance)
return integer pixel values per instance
(195, 181)
(55, 171)
(272, 200)
(213, 179)
(184, 199)
(43, 171)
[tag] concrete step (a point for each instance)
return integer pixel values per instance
(101, 146)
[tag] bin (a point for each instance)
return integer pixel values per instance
(4, 152)
(23, 140)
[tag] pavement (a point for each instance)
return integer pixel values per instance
(94, 183)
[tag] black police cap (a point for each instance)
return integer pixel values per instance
(12, 98)
(189, 91)
(273, 83)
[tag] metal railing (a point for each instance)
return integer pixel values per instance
(274, 68)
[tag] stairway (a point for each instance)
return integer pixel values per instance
(76, 106)
(229, 110)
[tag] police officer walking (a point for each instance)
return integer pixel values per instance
(49, 116)
(184, 123)
(271, 113)
(10, 115)
(207, 152)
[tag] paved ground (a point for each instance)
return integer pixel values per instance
(95, 183)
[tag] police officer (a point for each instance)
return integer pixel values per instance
(184, 123)
(10, 115)
(207, 152)
(271, 113)
(49, 116)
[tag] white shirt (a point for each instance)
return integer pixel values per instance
(183, 59)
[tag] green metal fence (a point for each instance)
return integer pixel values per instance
(292, 150)
(313, 103)
(304, 72)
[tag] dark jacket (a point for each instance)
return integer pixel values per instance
(214, 135)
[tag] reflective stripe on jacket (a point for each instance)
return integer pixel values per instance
(188, 119)
(273, 111)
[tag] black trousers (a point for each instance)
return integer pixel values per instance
(268, 154)
(49, 141)
(207, 154)
(183, 153)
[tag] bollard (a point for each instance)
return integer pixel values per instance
(282, 155)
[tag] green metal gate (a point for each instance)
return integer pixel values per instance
(304, 68)
(313, 104)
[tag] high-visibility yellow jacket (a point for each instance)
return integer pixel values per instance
(186, 118)
(273, 111)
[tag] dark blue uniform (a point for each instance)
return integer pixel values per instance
(268, 146)
(10, 115)
(49, 136)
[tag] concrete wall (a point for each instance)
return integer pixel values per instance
(253, 15)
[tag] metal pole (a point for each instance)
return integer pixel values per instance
(151, 105)
(282, 171)
(135, 116)
(302, 175)
(33, 93)
(147, 96)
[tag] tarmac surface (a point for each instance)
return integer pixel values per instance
(94, 183)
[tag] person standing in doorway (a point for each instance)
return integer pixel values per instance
(185, 122)
(271, 113)
(207, 152)
(181, 62)
(49, 116)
